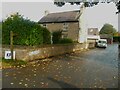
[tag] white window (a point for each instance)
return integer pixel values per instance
(65, 26)
(64, 35)
(91, 30)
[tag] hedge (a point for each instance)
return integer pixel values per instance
(65, 41)
(56, 36)
(26, 32)
(58, 40)
(116, 39)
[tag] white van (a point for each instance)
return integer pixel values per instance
(102, 43)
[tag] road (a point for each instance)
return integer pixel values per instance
(95, 68)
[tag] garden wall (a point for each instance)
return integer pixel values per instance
(34, 53)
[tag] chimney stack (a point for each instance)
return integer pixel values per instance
(46, 12)
(82, 7)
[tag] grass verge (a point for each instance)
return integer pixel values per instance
(12, 63)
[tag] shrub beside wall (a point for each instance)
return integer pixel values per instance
(46, 36)
(65, 40)
(58, 40)
(56, 36)
(26, 32)
(116, 39)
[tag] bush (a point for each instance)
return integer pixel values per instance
(116, 39)
(56, 37)
(58, 40)
(26, 32)
(65, 40)
(46, 36)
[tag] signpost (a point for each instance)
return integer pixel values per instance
(11, 44)
(11, 54)
(51, 38)
(8, 55)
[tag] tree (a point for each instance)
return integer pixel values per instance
(26, 32)
(77, 2)
(0, 25)
(116, 37)
(87, 3)
(118, 7)
(108, 29)
(116, 34)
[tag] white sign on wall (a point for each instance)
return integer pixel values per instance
(8, 54)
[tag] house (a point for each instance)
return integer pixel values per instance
(93, 35)
(69, 22)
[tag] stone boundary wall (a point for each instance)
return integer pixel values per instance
(36, 53)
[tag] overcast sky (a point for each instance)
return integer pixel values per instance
(96, 16)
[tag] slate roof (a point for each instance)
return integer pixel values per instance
(69, 16)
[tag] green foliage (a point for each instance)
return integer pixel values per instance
(116, 38)
(65, 41)
(86, 4)
(46, 36)
(56, 36)
(0, 32)
(108, 29)
(0, 25)
(58, 40)
(26, 32)
(13, 62)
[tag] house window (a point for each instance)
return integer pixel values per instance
(91, 30)
(64, 35)
(44, 25)
(65, 26)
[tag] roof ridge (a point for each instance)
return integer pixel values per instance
(61, 16)
(64, 12)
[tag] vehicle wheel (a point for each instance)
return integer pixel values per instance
(104, 47)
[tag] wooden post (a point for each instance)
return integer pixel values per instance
(11, 43)
(51, 38)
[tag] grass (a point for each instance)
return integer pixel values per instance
(12, 63)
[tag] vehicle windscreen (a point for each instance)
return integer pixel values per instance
(102, 42)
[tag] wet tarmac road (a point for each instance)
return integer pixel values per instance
(96, 68)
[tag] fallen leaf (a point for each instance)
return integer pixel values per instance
(11, 83)
(26, 85)
(20, 82)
